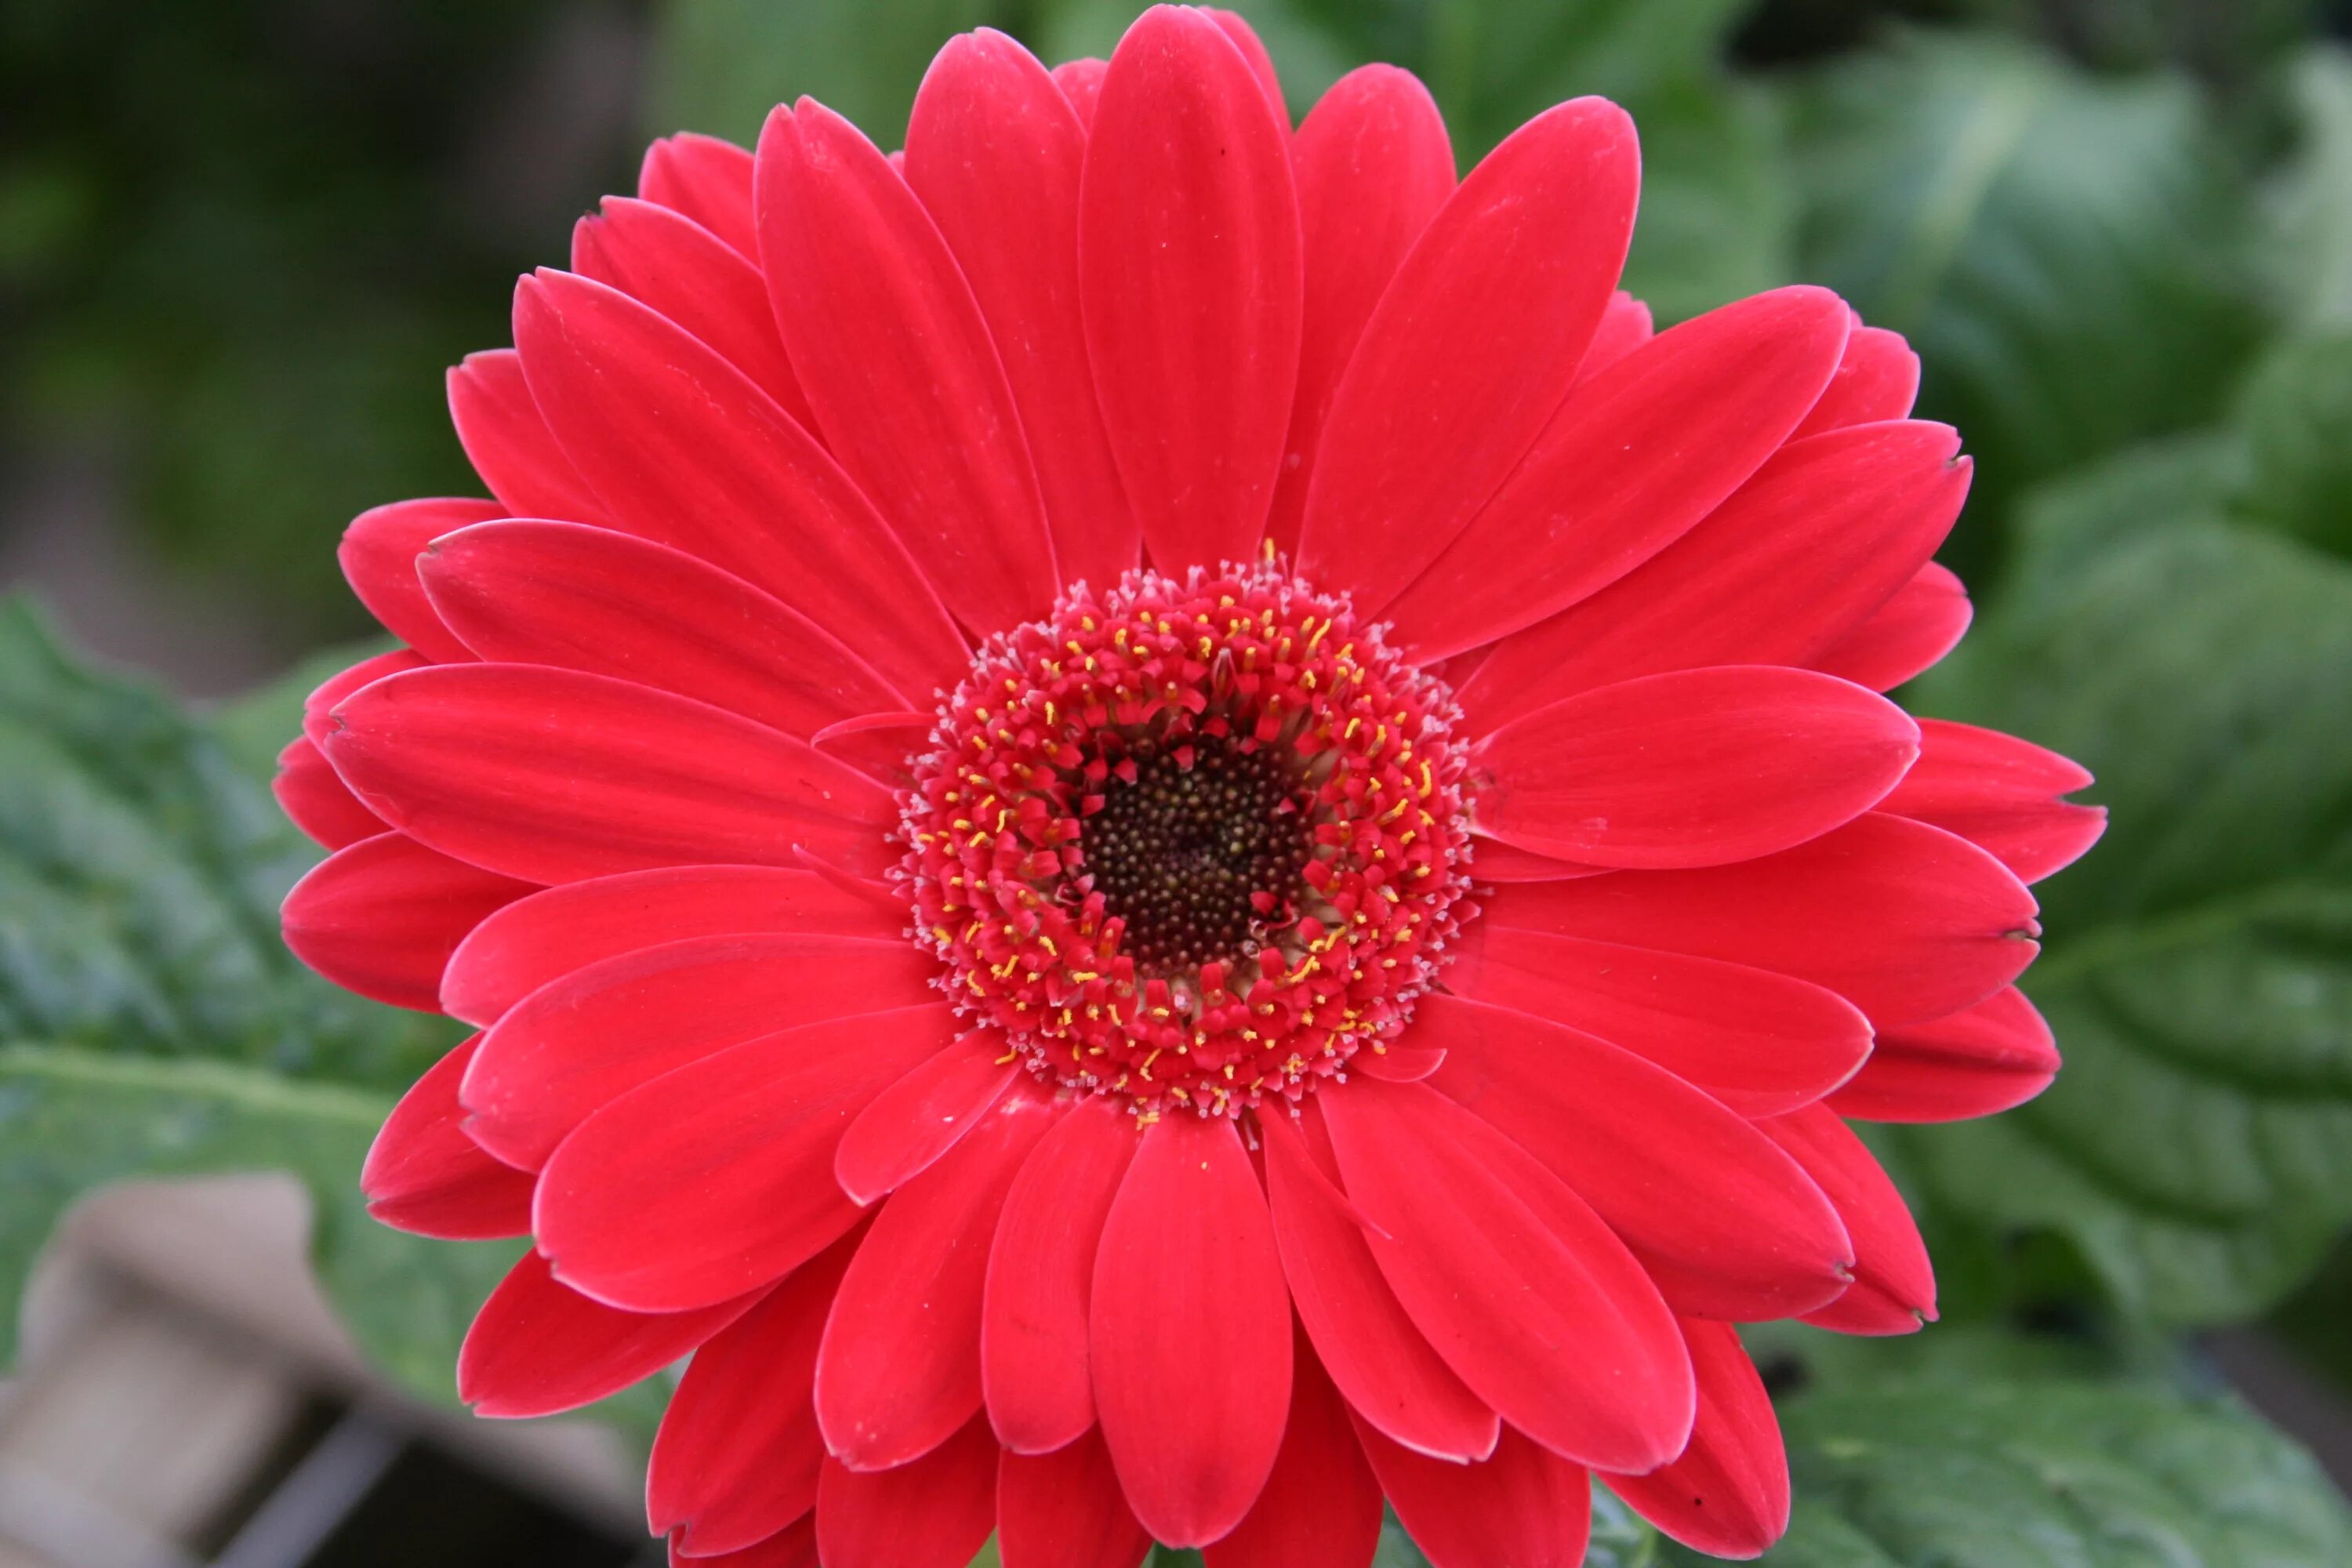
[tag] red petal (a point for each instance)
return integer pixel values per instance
(1697, 767)
(2002, 794)
(318, 708)
(424, 1175)
(1524, 1506)
(611, 603)
(900, 1367)
(1063, 1510)
(556, 776)
(676, 265)
(1190, 1328)
(1904, 921)
(1244, 37)
(689, 452)
(1517, 1284)
(1728, 1493)
(1761, 1042)
(1813, 542)
(507, 440)
(595, 1035)
(1624, 327)
(933, 1513)
(717, 1178)
(538, 1346)
(1373, 165)
(1634, 458)
(1877, 379)
(319, 803)
(1360, 1331)
(1893, 1288)
(1496, 861)
(1976, 1062)
(1727, 1225)
(1923, 622)
(707, 179)
(1470, 350)
(379, 559)
(1189, 277)
(1321, 1508)
(994, 151)
(737, 1454)
(559, 929)
(794, 1546)
(1081, 82)
(922, 1116)
(899, 366)
(1033, 1359)
(382, 916)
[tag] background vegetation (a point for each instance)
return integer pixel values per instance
(238, 244)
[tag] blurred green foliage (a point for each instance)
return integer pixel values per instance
(238, 244)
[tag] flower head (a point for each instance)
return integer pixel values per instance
(1160, 832)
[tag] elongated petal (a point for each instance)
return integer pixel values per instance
(716, 1178)
(538, 1346)
(611, 603)
(318, 708)
(674, 265)
(691, 453)
(1373, 165)
(507, 440)
(794, 1546)
(923, 1115)
(1522, 1290)
(424, 1175)
(1063, 1510)
(1976, 1062)
(1634, 458)
(994, 149)
(1877, 378)
(319, 803)
(933, 1513)
(899, 367)
(899, 1370)
(1761, 1042)
(598, 1032)
(1923, 622)
(1190, 281)
(737, 1454)
(382, 916)
(1496, 861)
(1361, 1334)
(1081, 82)
(1470, 350)
(553, 776)
(1728, 1495)
(1697, 767)
(556, 930)
(1810, 545)
(1904, 921)
(707, 179)
(2002, 794)
(1893, 1288)
(1523, 1507)
(1321, 1506)
(1727, 1225)
(1035, 1361)
(1188, 1296)
(1625, 326)
(379, 560)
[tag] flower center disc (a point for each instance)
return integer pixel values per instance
(1190, 843)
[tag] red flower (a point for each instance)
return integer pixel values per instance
(1161, 833)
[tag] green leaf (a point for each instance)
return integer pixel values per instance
(2295, 417)
(2067, 1476)
(721, 65)
(2064, 251)
(2198, 1147)
(150, 1021)
(2311, 198)
(1718, 206)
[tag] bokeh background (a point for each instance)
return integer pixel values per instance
(240, 241)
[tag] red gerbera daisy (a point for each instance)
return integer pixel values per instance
(1154, 826)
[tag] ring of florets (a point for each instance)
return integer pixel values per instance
(1192, 843)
